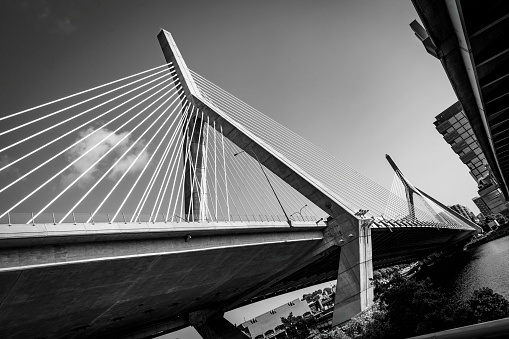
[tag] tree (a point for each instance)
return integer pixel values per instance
(298, 327)
(486, 305)
(312, 296)
(408, 308)
(335, 333)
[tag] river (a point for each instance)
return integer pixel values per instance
(484, 266)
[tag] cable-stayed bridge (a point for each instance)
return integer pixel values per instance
(159, 201)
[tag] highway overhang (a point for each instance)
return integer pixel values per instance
(470, 40)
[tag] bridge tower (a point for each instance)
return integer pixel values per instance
(409, 188)
(347, 232)
(195, 173)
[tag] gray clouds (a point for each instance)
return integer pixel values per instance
(94, 154)
(54, 17)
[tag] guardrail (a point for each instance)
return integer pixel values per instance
(490, 329)
(80, 218)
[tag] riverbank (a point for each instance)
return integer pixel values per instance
(499, 233)
(485, 265)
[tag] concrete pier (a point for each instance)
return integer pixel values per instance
(354, 292)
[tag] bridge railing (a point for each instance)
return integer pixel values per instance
(79, 218)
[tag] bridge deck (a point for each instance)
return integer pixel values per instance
(96, 280)
(62, 282)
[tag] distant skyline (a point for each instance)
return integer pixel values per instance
(349, 76)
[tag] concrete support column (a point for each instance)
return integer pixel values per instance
(354, 292)
(215, 327)
(195, 176)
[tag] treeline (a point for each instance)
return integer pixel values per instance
(310, 297)
(405, 307)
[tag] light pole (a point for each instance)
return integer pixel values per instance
(300, 212)
(266, 177)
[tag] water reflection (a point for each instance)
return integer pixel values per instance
(483, 266)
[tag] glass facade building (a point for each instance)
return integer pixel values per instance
(455, 128)
(457, 132)
(485, 210)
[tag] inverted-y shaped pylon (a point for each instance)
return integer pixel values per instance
(409, 188)
(276, 162)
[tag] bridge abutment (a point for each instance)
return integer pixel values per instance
(354, 292)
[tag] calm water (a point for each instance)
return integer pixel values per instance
(483, 266)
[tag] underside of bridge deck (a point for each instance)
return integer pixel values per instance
(135, 284)
(97, 288)
(389, 248)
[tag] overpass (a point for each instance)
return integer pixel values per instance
(227, 214)
(469, 39)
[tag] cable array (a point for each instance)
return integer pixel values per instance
(134, 150)
(354, 189)
(137, 150)
(422, 210)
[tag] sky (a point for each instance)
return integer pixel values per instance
(349, 76)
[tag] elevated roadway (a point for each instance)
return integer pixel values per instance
(470, 39)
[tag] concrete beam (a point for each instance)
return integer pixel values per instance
(32, 254)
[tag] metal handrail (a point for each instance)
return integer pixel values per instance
(82, 218)
(490, 329)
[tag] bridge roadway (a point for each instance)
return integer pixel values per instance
(134, 280)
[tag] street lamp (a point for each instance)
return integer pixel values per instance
(300, 212)
(266, 177)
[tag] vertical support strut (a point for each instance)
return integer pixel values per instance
(195, 175)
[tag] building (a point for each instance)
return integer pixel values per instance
(485, 210)
(463, 211)
(456, 130)
(269, 325)
(490, 193)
